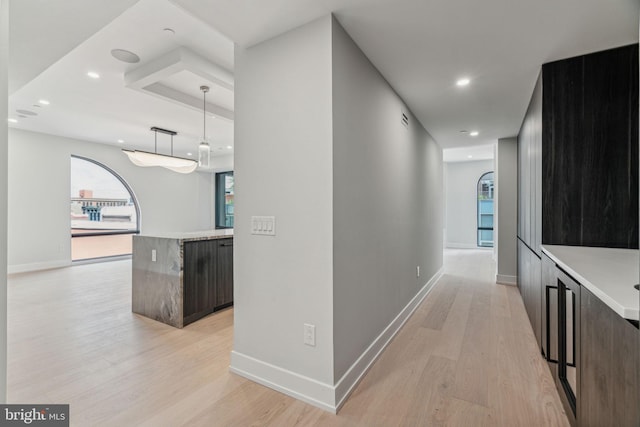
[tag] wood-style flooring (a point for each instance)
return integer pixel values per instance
(467, 357)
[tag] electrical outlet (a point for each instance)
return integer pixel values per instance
(153, 255)
(310, 335)
(418, 271)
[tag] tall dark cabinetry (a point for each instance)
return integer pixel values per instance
(590, 150)
(578, 186)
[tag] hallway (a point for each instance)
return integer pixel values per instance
(467, 357)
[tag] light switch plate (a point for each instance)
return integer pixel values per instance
(310, 334)
(263, 225)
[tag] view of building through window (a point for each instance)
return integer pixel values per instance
(224, 200)
(103, 212)
(485, 210)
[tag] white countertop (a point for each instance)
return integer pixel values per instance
(607, 273)
(194, 235)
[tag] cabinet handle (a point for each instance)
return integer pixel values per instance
(226, 244)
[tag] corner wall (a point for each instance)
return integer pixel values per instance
(39, 174)
(387, 197)
(461, 200)
(357, 199)
(283, 168)
(506, 183)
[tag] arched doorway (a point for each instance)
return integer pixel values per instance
(104, 211)
(485, 210)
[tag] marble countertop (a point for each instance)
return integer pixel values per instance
(607, 272)
(193, 235)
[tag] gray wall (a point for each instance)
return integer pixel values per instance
(39, 174)
(387, 196)
(4, 51)
(283, 169)
(507, 209)
(461, 182)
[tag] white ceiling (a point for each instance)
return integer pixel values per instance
(468, 154)
(113, 107)
(420, 46)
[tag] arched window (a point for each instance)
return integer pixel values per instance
(485, 210)
(104, 211)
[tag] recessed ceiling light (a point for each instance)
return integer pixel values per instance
(229, 147)
(464, 131)
(37, 105)
(169, 31)
(213, 117)
(463, 82)
(473, 133)
(12, 120)
(93, 75)
(189, 154)
(125, 56)
(469, 157)
(121, 141)
(26, 112)
(22, 116)
(44, 102)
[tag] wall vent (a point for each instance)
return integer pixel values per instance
(405, 119)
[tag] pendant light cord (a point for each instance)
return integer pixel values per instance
(204, 115)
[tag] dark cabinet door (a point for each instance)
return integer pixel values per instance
(198, 277)
(224, 273)
(569, 344)
(590, 150)
(610, 371)
(549, 309)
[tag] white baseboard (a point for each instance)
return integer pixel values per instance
(452, 245)
(295, 385)
(325, 396)
(503, 279)
(356, 372)
(36, 266)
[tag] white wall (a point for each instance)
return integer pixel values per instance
(506, 186)
(387, 193)
(39, 177)
(283, 167)
(4, 60)
(461, 200)
(358, 204)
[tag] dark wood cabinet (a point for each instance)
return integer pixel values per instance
(549, 313)
(208, 277)
(530, 173)
(529, 282)
(590, 150)
(610, 371)
(224, 274)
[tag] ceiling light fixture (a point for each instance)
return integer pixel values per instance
(204, 150)
(463, 82)
(146, 159)
(44, 102)
(473, 133)
(189, 154)
(125, 56)
(121, 141)
(469, 157)
(12, 120)
(93, 75)
(229, 147)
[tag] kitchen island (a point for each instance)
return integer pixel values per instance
(178, 278)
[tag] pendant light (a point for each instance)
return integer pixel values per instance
(204, 150)
(146, 159)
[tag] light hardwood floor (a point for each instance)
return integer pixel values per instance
(467, 357)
